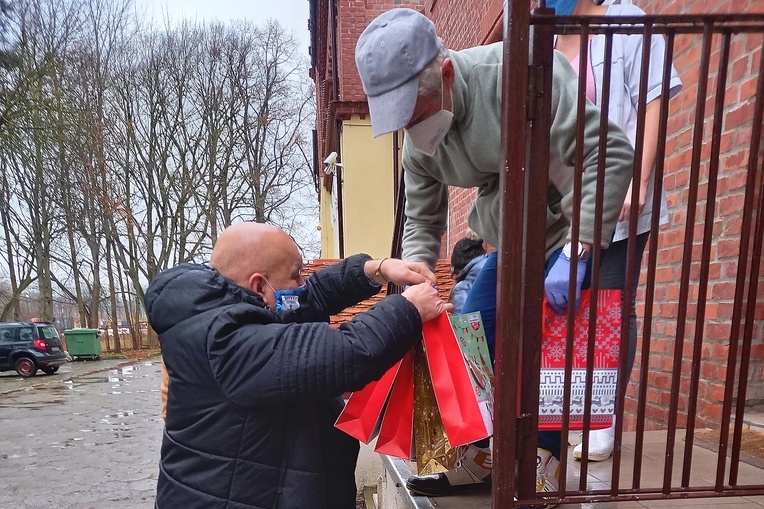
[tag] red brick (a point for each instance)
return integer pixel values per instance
(724, 290)
(716, 393)
(729, 269)
(718, 331)
(748, 89)
(739, 116)
(727, 248)
(673, 237)
(736, 160)
(656, 413)
(725, 311)
(709, 410)
(729, 205)
(721, 352)
(664, 275)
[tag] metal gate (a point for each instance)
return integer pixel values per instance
(525, 117)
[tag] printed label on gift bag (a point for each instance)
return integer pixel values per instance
(470, 335)
(605, 374)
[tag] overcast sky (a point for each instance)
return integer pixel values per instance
(292, 14)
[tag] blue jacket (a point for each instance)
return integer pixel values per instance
(253, 396)
(466, 278)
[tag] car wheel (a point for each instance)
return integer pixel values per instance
(26, 367)
(49, 370)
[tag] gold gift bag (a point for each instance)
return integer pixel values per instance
(433, 451)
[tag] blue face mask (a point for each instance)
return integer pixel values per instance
(288, 300)
(562, 7)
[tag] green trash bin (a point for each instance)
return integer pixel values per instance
(83, 343)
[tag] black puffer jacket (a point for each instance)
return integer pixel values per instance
(253, 399)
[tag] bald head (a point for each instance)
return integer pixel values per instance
(246, 249)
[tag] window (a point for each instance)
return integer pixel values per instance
(49, 332)
(6, 335)
(25, 334)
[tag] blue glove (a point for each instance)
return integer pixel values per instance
(556, 283)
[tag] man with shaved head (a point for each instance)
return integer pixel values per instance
(256, 372)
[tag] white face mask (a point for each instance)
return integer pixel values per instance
(427, 135)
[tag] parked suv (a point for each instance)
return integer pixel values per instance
(27, 347)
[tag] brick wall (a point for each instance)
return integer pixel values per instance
(461, 25)
(354, 16)
(745, 56)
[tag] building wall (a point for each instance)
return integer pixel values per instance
(354, 16)
(370, 190)
(461, 25)
(367, 189)
(329, 233)
(745, 57)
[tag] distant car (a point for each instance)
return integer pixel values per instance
(27, 347)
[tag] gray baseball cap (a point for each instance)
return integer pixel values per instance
(390, 54)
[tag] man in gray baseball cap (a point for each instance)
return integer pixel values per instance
(449, 105)
(390, 54)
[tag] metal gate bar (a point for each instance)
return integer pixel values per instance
(521, 266)
(753, 188)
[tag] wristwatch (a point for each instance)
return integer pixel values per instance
(583, 253)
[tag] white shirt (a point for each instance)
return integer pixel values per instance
(624, 94)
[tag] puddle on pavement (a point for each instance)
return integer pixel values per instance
(111, 425)
(87, 380)
(122, 413)
(102, 432)
(118, 377)
(36, 398)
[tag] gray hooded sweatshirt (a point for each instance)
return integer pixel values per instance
(470, 156)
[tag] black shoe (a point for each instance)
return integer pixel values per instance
(437, 485)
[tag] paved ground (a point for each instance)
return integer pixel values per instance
(90, 442)
(89, 437)
(10, 381)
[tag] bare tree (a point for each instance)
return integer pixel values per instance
(149, 142)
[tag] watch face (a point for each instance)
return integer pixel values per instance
(583, 254)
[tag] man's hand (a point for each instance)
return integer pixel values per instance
(556, 284)
(399, 272)
(626, 209)
(425, 298)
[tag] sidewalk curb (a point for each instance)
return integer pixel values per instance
(45, 383)
(116, 366)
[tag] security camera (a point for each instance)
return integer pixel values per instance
(331, 164)
(330, 160)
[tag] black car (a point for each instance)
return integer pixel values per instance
(27, 347)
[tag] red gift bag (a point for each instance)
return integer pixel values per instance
(396, 432)
(362, 414)
(605, 376)
(454, 391)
